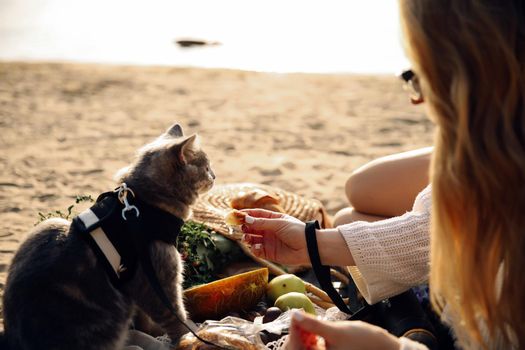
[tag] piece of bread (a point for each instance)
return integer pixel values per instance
(235, 217)
(218, 336)
(256, 199)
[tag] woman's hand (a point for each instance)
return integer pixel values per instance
(275, 236)
(280, 238)
(340, 335)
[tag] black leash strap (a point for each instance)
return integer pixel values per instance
(322, 272)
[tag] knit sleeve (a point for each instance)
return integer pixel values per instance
(391, 255)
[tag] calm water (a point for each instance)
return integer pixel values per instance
(270, 35)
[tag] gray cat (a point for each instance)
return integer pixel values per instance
(58, 294)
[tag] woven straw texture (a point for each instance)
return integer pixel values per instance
(212, 207)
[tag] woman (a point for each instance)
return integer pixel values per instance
(470, 59)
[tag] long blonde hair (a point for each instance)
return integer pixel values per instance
(470, 58)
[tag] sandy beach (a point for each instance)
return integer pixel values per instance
(65, 129)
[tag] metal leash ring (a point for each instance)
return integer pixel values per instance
(122, 193)
(129, 208)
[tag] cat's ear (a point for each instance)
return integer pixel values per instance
(175, 130)
(186, 148)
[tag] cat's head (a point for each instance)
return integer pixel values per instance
(170, 172)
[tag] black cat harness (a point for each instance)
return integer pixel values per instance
(120, 229)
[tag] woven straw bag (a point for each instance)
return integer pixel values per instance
(212, 207)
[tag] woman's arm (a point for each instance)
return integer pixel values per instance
(391, 255)
(333, 249)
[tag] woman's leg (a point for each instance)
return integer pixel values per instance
(385, 187)
(349, 214)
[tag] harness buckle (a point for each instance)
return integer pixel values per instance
(122, 194)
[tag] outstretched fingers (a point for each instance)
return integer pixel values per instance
(305, 322)
(258, 250)
(251, 239)
(302, 337)
(263, 213)
(254, 225)
(256, 244)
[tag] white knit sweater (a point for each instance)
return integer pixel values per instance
(391, 255)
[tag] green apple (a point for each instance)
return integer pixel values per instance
(283, 284)
(294, 300)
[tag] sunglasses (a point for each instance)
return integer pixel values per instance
(411, 84)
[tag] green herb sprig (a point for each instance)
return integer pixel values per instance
(204, 252)
(68, 214)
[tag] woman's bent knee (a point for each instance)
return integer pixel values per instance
(349, 215)
(359, 191)
(388, 186)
